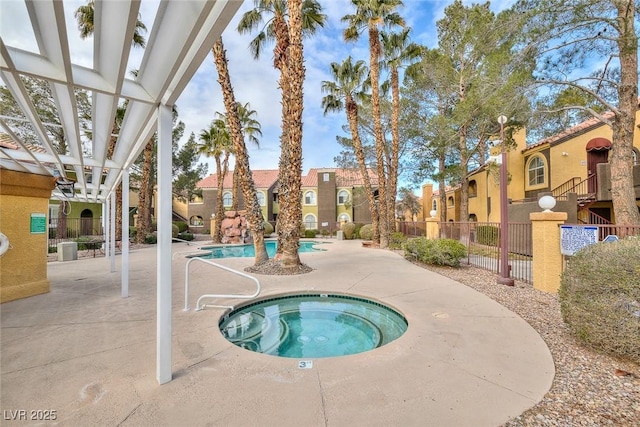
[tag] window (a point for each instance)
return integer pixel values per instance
(343, 197)
(309, 198)
(434, 205)
(450, 201)
(227, 199)
(325, 177)
(260, 196)
(473, 188)
(196, 221)
(536, 171)
(310, 222)
(635, 156)
(344, 218)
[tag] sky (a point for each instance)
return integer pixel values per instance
(255, 81)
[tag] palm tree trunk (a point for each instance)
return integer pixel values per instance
(292, 144)
(395, 143)
(352, 118)
(254, 213)
(144, 196)
(374, 50)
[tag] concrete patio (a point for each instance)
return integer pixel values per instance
(90, 355)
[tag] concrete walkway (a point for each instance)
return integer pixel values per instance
(89, 355)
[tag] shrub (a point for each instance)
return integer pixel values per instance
(366, 232)
(154, 225)
(487, 235)
(396, 240)
(438, 251)
(310, 233)
(151, 239)
(53, 249)
(268, 229)
(133, 232)
(174, 230)
(185, 236)
(182, 226)
(324, 232)
(348, 228)
(356, 232)
(600, 297)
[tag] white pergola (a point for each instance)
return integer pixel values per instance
(180, 38)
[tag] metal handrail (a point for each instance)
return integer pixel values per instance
(236, 272)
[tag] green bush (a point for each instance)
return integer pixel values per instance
(53, 249)
(151, 239)
(439, 251)
(487, 235)
(186, 236)
(310, 233)
(600, 297)
(356, 232)
(133, 232)
(366, 232)
(174, 230)
(324, 232)
(182, 226)
(348, 228)
(396, 240)
(268, 229)
(154, 226)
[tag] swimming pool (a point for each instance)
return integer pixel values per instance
(312, 325)
(233, 251)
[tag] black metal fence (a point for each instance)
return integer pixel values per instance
(72, 229)
(482, 240)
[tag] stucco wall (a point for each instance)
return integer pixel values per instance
(23, 268)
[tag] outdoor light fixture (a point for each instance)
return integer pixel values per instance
(504, 278)
(547, 203)
(433, 213)
(65, 185)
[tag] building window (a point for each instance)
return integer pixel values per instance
(434, 205)
(260, 196)
(473, 188)
(343, 197)
(450, 201)
(344, 218)
(227, 199)
(310, 222)
(196, 221)
(309, 198)
(635, 156)
(536, 171)
(325, 177)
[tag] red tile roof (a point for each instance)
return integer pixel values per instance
(267, 177)
(586, 125)
(262, 179)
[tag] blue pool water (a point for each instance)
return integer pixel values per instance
(233, 251)
(314, 326)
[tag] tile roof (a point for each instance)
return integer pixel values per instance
(262, 178)
(267, 177)
(344, 177)
(580, 127)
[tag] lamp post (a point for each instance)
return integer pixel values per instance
(504, 278)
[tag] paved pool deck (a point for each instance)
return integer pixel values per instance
(90, 355)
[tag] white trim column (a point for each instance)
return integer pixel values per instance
(125, 234)
(105, 226)
(163, 346)
(112, 231)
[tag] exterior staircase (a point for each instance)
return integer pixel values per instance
(586, 198)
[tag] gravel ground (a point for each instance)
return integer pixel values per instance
(589, 389)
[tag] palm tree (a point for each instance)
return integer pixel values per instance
(398, 52)
(369, 15)
(216, 143)
(145, 194)
(250, 129)
(85, 17)
(346, 89)
(304, 18)
(254, 212)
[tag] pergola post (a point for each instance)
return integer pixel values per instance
(163, 356)
(125, 234)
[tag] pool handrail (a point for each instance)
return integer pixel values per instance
(238, 296)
